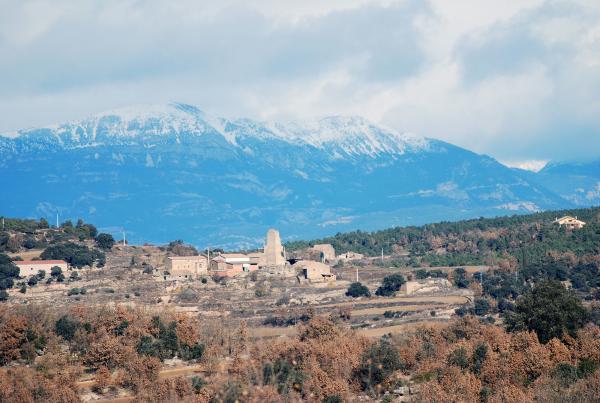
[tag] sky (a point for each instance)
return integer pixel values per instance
(515, 79)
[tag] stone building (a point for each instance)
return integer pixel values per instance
(232, 264)
(326, 251)
(29, 268)
(186, 267)
(315, 272)
(274, 255)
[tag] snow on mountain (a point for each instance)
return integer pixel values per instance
(348, 135)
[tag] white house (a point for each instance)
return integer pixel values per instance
(29, 268)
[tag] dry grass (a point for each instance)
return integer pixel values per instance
(442, 299)
(28, 255)
(407, 308)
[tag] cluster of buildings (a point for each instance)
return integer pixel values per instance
(233, 264)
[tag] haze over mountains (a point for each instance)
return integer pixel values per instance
(174, 172)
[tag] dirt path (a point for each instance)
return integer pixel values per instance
(163, 374)
(444, 299)
(398, 308)
(405, 327)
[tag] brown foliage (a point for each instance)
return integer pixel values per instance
(187, 329)
(12, 337)
(139, 373)
(108, 350)
(27, 385)
(103, 378)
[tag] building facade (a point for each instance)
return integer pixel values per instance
(569, 222)
(186, 267)
(29, 268)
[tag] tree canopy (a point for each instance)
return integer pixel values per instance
(549, 309)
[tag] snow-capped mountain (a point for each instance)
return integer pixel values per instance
(173, 171)
(152, 123)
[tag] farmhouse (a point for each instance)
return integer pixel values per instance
(31, 267)
(569, 222)
(315, 272)
(232, 264)
(186, 267)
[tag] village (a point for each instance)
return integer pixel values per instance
(269, 289)
(268, 292)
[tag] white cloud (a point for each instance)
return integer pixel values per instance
(515, 79)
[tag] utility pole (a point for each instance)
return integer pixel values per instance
(357, 274)
(123, 237)
(56, 220)
(381, 255)
(2, 223)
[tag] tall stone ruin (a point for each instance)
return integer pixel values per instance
(273, 249)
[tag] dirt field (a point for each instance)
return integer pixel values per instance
(27, 255)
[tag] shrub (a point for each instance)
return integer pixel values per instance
(460, 279)
(188, 295)
(565, 374)
(66, 327)
(357, 289)
(284, 375)
(549, 310)
(105, 241)
(76, 255)
(377, 363)
(459, 358)
(390, 285)
(283, 300)
(586, 367)
(481, 306)
(198, 383)
(73, 291)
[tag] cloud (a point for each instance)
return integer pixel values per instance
(515, 79)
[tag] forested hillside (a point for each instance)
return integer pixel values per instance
(475, 241)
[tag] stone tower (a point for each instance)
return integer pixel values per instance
(273, 249)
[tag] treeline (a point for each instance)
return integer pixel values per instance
(465, 241)
(17, 234)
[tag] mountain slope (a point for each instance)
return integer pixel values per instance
(165, 172)
(577, 182)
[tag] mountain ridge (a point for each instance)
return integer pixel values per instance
(186, 174)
